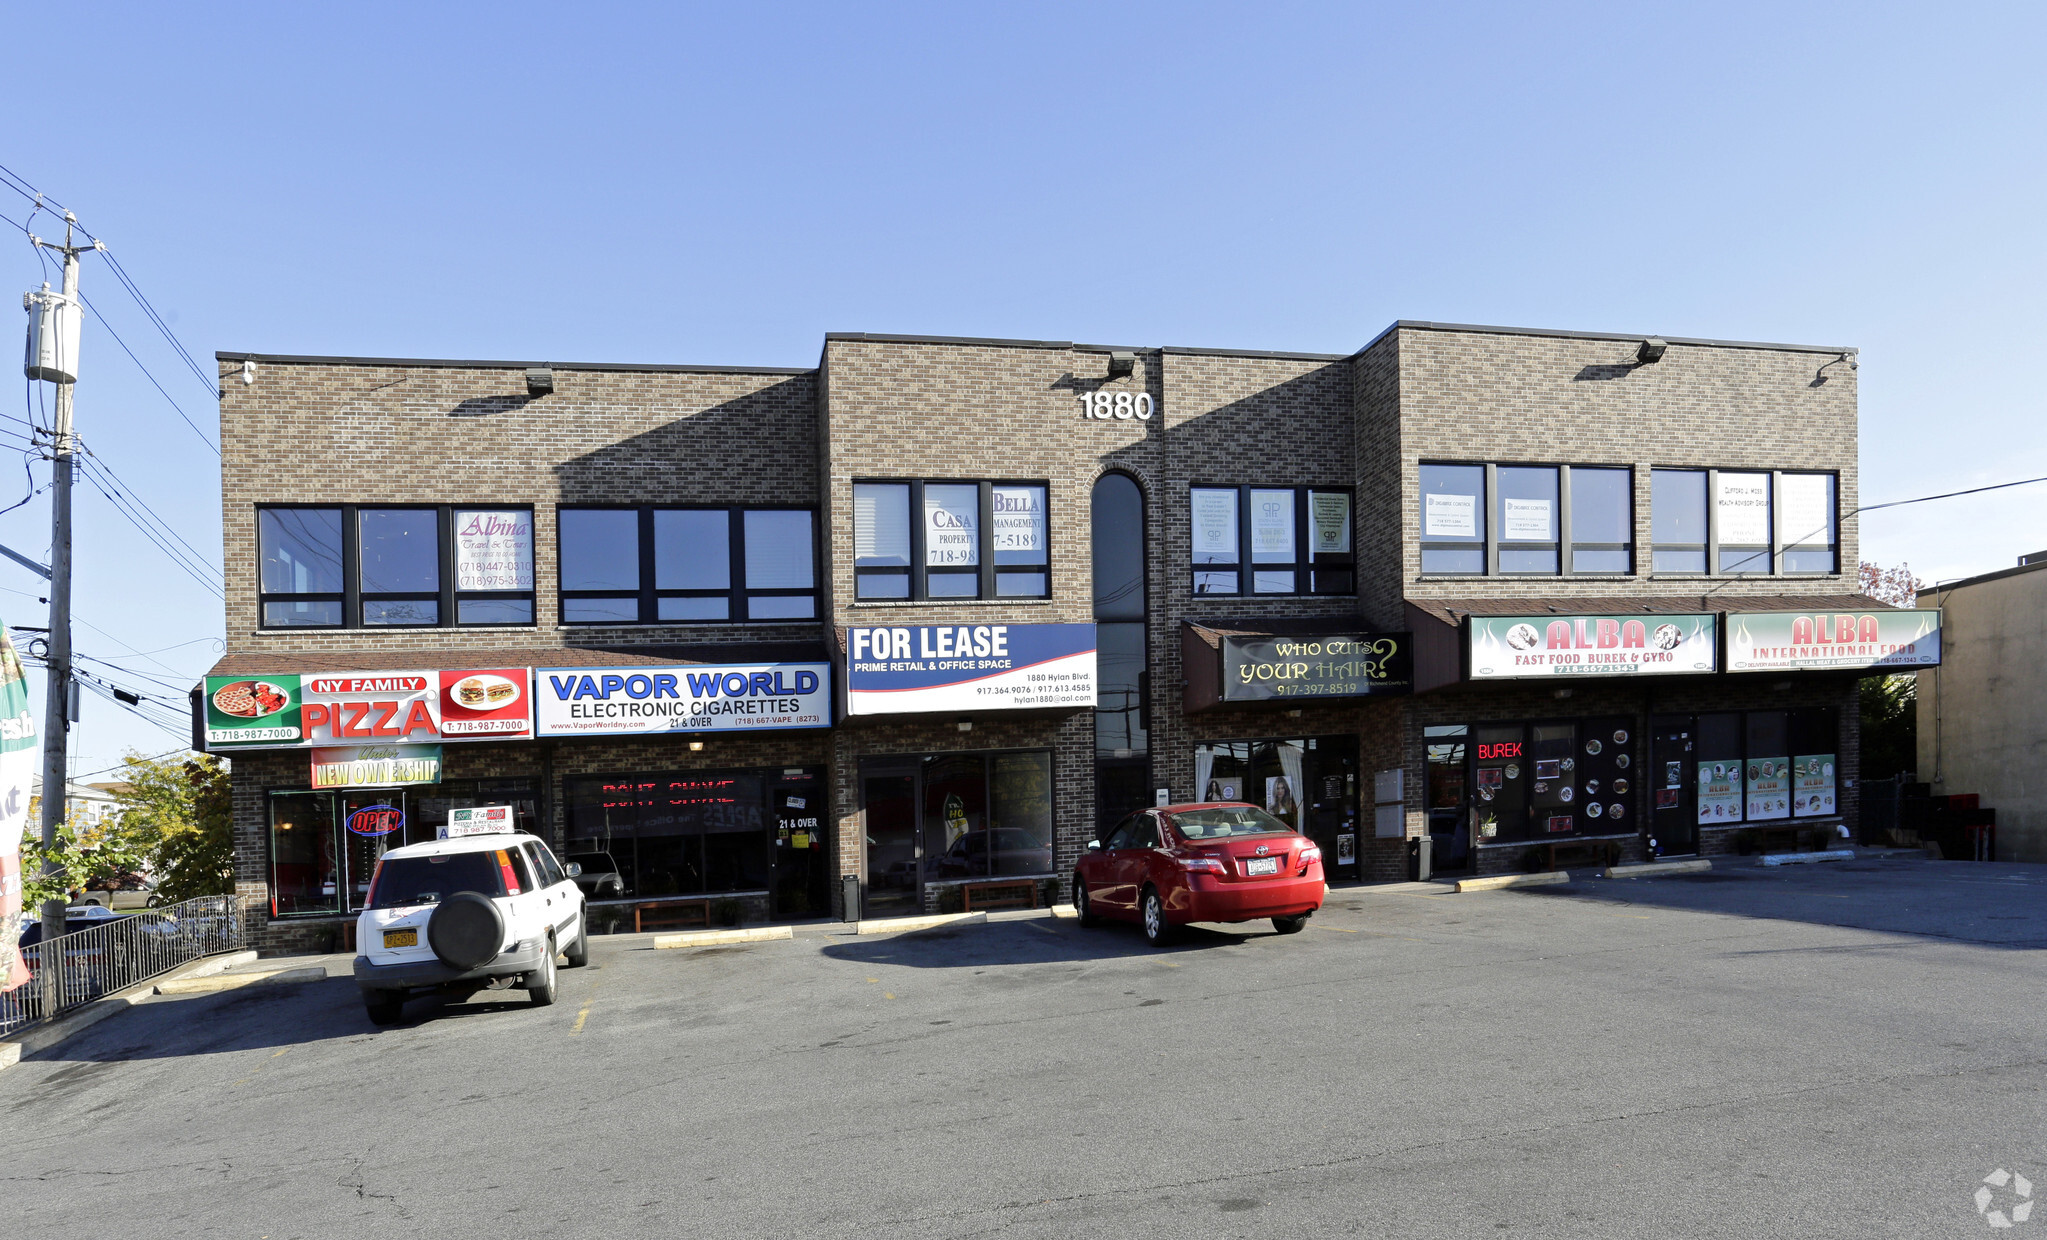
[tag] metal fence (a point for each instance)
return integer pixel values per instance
(118, 953)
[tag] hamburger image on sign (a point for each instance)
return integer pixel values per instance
(492, 703)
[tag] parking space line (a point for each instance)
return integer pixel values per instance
(584, 1014)
(1338, 929)
(1040, 926)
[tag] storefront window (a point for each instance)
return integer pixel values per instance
(1122, 678)
(304, 867)
(700, 833)
(1445, 794)
(324, 846)
(1309, 783)
(1761, 766)
(1541, 781)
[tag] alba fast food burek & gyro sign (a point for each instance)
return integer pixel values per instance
(1518, 647)
(292, 711)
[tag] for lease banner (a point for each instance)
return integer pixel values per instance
(1783, 641)
(1524, 647)
(719, 697)
(907, 669)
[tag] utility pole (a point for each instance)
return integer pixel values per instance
(58, 361)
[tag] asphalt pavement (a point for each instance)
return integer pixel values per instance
(1832, 1050)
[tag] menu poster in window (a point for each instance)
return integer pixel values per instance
(493, 550)
(1330, 512)
(1719, 792)
(1744, 509)
(1450, 516)
(1804, 515)
(1272, 524)
(952, 536)
(1526, 520)
(1812, 785)
(1215, 527)
(1769, 787)
(1019, 518)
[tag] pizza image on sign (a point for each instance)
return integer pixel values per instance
(252, 710)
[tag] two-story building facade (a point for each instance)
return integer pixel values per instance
(867, 636)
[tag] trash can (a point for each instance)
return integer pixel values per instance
(849, 895)
(1418, 850)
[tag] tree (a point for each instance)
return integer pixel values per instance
(1896, 586)
(178, 813)
(1890, 725)
(85, 856)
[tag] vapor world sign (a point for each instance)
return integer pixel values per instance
(1259, 669)
(734, 697)
(295, 710)
(1782, 641)
(1533, 647)
(908, 669)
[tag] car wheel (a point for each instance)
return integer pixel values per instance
(1083, 908)
(579, 955)
(1157, 930)
(384, 1006)
(1290, 925)
(541, 982)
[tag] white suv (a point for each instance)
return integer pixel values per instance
(485, 909)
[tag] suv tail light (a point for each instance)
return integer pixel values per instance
(1309, 856)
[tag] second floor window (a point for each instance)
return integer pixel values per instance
(1271, 540)
(687, 565)
(1526, 520)
(1743, 522)
(392, 566)
(950, 540)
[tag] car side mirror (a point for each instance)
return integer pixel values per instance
(573, 870)
(1094, 846)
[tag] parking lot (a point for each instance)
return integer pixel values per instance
(1819, 1050)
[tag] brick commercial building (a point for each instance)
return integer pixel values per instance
(910, 627)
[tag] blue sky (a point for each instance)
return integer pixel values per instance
(667, 183)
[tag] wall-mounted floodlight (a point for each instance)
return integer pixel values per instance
(1122, 365)
(539, 381)
(1651, 351)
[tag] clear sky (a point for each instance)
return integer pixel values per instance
(671, 183)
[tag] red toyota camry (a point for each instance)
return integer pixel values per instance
(1168, 866)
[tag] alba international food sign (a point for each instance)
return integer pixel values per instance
(1524, 647)
(405, 707)
(1779, 641)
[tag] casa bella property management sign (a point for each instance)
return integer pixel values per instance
(1536, 647)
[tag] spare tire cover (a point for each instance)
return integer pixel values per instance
(466, 930)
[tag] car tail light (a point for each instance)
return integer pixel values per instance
(1309, 856)
(370, 899)
(1203, 865)
(505, 868)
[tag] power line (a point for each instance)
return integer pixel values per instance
(106, 471)
(186, 418)
(197, 573)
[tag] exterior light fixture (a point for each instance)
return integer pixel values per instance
(247, 373)
(1122, 365)
(1560, 694)
(696, 746)
(965, 725)
(539, 381)
(1820, 375)
(1651, 351)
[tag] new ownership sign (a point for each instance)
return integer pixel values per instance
(908, 669)
(713, 697)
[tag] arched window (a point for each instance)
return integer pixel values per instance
(1122, 734)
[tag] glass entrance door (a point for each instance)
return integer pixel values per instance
(888, 802)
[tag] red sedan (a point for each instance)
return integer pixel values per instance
(1168, 866)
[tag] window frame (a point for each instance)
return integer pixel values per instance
(987, 577)
(1491, 518)
(1306, 562)
(1777, 552)
(738, 596)
(352, 596)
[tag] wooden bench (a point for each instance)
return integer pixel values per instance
(671, 914)
(1594, 851)
(1022, 893)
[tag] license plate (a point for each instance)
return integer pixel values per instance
(401, 938)
(1254, 866)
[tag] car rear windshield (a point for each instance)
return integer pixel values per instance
(1216, 824)
(403, 881)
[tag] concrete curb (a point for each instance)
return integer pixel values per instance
(1836, 854)
(896, 925)
(1649, 869)
(40, 1038)
(1064, 910)
(1498, 881)
(235, 981)
(711, 938)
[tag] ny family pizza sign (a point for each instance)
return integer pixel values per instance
(293, 711)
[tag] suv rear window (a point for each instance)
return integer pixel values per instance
(402, 881)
